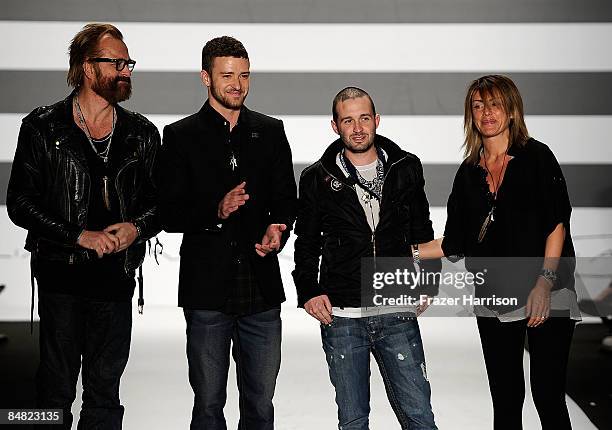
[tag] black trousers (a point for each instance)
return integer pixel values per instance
(503, 347)
(72, 329)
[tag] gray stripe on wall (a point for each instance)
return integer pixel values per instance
(312, 11)
(584, 183)
(576, 93)
(585, 187)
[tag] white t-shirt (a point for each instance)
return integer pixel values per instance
(371, 208)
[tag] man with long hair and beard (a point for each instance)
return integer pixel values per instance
(82, 185)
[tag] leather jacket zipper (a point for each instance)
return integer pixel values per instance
(73, 158)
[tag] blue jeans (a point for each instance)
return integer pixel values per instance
(395, 341)
(256, 350)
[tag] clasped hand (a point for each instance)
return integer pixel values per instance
(114, 238)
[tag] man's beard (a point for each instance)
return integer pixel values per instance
(226, 101)
(359, 148)
(110, 89)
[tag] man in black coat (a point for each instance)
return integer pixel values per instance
(362, 202)
(82, 185)
(226, 183)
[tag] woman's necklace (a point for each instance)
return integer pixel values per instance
(491, 215)
(104, 155)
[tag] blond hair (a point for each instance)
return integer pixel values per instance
(512, 103)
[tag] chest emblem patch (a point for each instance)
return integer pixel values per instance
(336, 185)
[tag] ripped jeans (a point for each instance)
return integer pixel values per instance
(395, 342)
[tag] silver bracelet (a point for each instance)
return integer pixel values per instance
(549, 275)
(415, 254)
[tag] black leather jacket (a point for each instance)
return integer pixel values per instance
(48, 191)
(331, 224)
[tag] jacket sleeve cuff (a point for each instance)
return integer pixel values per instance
(308, 293)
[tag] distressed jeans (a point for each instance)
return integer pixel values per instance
(395, 342)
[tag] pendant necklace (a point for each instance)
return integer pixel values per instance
(491, 215)
(103, 155)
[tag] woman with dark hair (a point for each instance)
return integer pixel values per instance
(509, 210)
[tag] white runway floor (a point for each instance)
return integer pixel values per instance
(157, 395)
(156, 392)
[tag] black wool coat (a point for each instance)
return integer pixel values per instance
(194, 175)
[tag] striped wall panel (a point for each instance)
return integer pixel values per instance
(414, 56)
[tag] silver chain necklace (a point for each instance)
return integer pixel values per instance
(104, 154)
(374, 185)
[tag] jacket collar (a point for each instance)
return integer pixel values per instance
(390, 148)
(62, 124)
(64, 118)
(210, 117)
(518, 150)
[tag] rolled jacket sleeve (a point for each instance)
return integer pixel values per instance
(554, 199)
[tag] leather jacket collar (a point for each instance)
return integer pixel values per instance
(69, 136)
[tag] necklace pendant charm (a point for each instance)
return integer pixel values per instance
(233, 162)
(485, 226)
(105, 192)
(492, 214)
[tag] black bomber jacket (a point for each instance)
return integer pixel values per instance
(49, 186)
(331, 224)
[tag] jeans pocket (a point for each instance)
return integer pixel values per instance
(330, 325)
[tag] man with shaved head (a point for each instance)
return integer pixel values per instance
(364, 199)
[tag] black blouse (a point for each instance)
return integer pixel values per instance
(531, 201)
